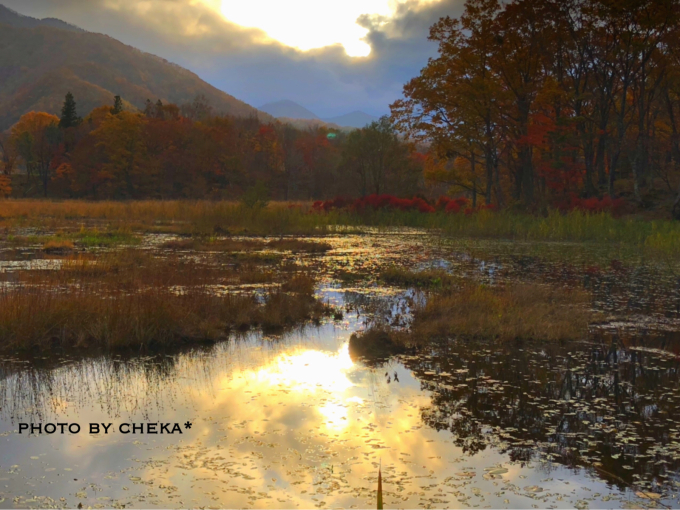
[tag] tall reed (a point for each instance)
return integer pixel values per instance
(290, 218)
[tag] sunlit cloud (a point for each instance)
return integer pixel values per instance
(310, 24)
(251, 64)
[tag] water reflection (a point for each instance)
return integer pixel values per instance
(294, 421)
(597, 405)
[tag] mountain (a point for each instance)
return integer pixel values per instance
(305, 124)
(290, 110)
(13, 18)
(41, 60)
(287, 109)
(354, 119)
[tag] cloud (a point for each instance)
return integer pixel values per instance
(250, 64)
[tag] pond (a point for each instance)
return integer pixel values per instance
(299, 420)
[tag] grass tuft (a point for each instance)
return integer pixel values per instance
(133, 298)
(513, 311)
(429, 278)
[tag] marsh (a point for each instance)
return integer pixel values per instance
(294, 416)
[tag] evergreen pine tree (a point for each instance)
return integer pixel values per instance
(69, 117)
(117, 105)
(159, 109)
(148, 109)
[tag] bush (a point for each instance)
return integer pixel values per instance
(592, 205)
(256, 197)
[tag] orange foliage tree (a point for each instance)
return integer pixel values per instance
(36, 137)
(553, 98)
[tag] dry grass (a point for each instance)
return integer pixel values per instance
(429, 278)
(247, 245)
(57, 246)
(517, 311)
(377, 343)
(300, 284)
(133, 298)
(513, 312)
(283, 310)
(172, 216)
(32, 318)
(219, 218)
(213, 244)
(299, 246)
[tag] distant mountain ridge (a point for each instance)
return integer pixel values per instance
(287, 109)
(41, 60)
(13, 18)
(355, 119)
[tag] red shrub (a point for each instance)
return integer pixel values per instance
(378, 202)
(390, 202)
(336, 203)
(455, 205)
(592, 205)
(452, 207)
(442, 203)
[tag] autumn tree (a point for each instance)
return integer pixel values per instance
(380, 160)
(36, 137)
(557, 97)
(8, 154)
(455, 104)
(120, 137)
(8, 157)
(198, 110)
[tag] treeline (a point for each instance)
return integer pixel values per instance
(169, 151)
(538, 101)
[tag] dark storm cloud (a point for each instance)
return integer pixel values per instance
(243, 63)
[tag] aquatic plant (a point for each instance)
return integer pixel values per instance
(377, 344)
(428, 278)
(203, 218)
(134, 298)
(506, 312)
(57, 246)
(380, 494)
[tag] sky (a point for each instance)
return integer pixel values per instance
(331, 56)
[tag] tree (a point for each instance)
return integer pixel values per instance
(8, 153)
(158, 112)
(148, 109)
(69, 115)
(5, 186)
(117, 105)
(455, 104)
(198, 110)
(379, 158)
(9, 156)
(120, 137)
(550, 96)
(37, 139)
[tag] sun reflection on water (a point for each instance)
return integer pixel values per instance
(310, 370)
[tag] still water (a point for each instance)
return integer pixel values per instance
(298, 420)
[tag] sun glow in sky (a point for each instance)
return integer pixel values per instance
(309, 24)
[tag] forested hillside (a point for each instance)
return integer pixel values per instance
(39, 63)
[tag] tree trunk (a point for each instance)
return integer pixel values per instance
(600, 159)
(489, 177)
(474, 179)
(526, 176)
